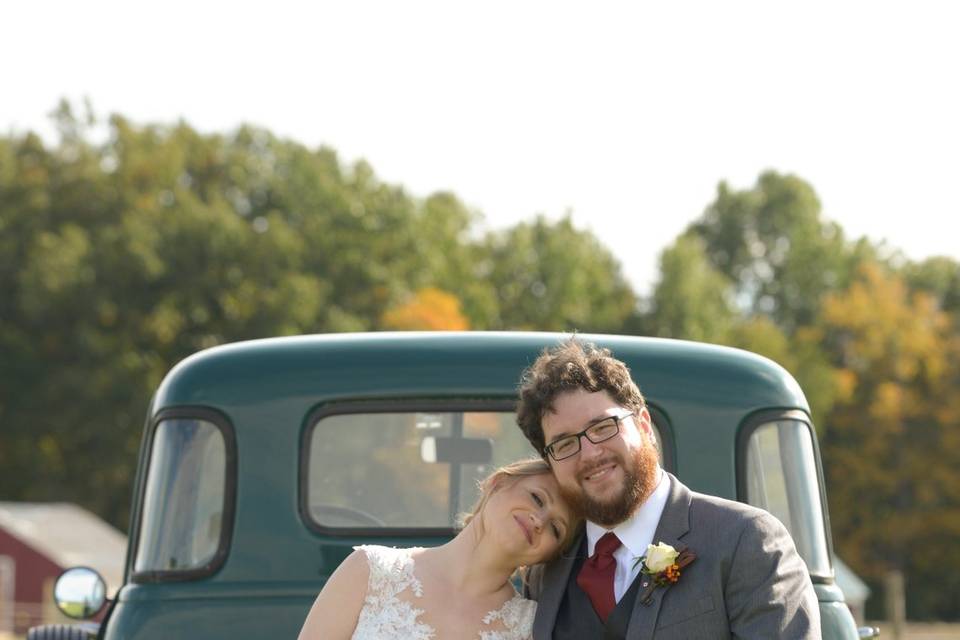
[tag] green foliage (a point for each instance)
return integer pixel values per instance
(771, 242)
(938, 276)
(873, 339)
(692, 300)
(118, 259)
(892, 446)
(554, 277)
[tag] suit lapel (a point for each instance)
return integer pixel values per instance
(674, 523)
(554, 584)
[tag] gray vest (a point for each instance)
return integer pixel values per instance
(576, 618)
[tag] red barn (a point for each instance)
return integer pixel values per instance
(38, 541)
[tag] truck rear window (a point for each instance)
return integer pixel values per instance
(405, 470)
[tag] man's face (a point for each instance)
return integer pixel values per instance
(606, 481)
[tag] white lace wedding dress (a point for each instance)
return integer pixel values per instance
(384, 615)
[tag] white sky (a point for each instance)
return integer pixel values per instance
(626, 113)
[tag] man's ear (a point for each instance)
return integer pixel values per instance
(645, 422)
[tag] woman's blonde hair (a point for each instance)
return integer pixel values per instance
(511, 473)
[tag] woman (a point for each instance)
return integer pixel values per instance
(461, 589)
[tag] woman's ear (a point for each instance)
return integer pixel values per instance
(500, 481)
(495, 483)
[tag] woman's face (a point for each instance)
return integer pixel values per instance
(528, 518)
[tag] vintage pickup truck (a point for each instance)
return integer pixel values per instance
(264, 462)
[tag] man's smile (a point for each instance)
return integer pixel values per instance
(598, 472)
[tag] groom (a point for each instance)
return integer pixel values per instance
(740, 573)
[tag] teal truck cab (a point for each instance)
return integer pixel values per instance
(264, 462)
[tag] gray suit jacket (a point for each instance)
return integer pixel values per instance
(748, 581)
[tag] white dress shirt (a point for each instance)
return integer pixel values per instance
(635, 534)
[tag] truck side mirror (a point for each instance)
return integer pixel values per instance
(80, 592)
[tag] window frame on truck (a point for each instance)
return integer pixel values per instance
(411, 406)
(218, 558)
(749, 427)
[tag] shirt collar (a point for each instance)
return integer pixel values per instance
(637, 532)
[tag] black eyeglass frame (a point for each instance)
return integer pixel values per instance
(548, 450)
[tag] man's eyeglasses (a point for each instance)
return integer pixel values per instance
(568, 446)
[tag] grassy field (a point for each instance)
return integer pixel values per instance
(922, 630)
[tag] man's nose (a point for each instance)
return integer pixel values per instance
(588, 449)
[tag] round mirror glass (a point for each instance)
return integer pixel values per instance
(80, 592)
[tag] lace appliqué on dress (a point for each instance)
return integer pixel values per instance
(385, 615)
(517, 616)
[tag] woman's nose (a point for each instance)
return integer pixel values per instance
(535, 521)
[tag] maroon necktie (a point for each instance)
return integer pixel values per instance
(596, 575)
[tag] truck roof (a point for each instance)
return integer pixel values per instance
(437, 365)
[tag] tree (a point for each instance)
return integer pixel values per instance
(692, 300)
(771, 242)
(118, 264)
(555, 277)
(891, 446)
(455, 257)
(119, 258)
(940, 277)
(429, 309)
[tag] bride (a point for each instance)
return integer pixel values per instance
(462, 589)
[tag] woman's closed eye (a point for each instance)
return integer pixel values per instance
(554, 527)
(556, 530)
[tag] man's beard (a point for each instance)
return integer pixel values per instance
(639, 478)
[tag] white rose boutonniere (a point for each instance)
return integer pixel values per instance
(659, 557)
(663, 564)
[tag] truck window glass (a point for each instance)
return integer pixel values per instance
(781, 477)
(184, 497)
(405, 469)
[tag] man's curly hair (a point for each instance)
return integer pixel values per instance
(571, 365)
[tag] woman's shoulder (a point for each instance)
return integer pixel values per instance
(353, 571)
(334, 612)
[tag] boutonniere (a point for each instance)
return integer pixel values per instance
(662, 565)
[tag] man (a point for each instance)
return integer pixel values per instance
(730, 569)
